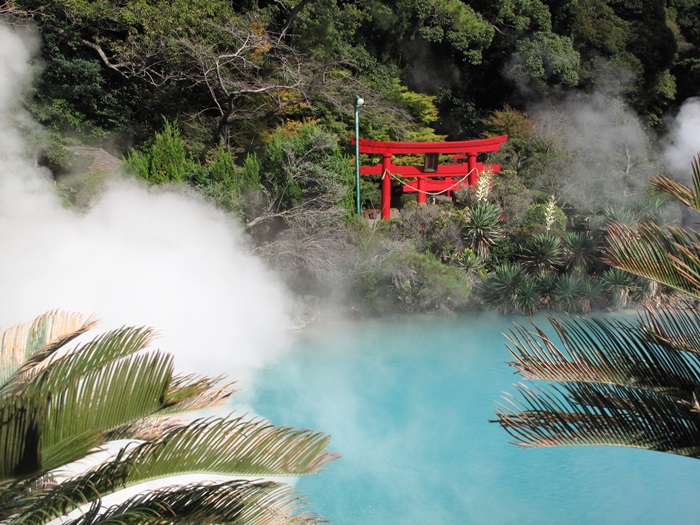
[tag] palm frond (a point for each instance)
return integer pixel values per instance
(587, 414)
(188, 393)
(63, 402)
(232, 446)
(42, 501)
(20, 445)
(674, 328)
(603, 351)
(185, 394)
(105, 398)
(233, 502)
(686, 195)
(663, 256)
(57, 370)
(147, 428)
(24, 345)
(619, 382)
(15, 495)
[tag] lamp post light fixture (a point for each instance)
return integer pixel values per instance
(359, 101)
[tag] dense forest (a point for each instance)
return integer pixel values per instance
(251, 104)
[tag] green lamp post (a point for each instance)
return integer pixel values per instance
(359, 101)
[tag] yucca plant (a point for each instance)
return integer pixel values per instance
(546, 286)
(619, 284)
(527, 299)
(500, 288)
(482, 228)
(61, 401)
(619, 382)
(579, 251)
(571, 293)
(541, 252)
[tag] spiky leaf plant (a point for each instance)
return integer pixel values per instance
(618, 382)
(579, 251)
(546, 286)
(619, 284)
(571, 293)
(540, 253)
(527, 299)
(482, 229)
(501, 287)
(60, 402)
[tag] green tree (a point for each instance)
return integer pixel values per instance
(619, 382)
(629, 35)
(164, 160)
(60, 401)
(307, 199)
(543, 61)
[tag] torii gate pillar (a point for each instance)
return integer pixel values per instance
(471, 166)
(386, 186)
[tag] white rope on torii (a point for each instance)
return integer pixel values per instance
(429, 193)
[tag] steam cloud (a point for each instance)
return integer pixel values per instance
(140, 256)
(683, 142)
(604, 155)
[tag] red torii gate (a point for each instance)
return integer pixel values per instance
(431, 177)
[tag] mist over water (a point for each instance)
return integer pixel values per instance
(139, 256)
(409, 403)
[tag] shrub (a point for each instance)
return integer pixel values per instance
(580, 250)
(410, 281)
(619, 284)
(537, 217)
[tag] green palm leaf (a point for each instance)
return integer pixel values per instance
(681, 192)
(119, 393)
(668, 257)
(56, 370)
(621, 383)
(257, 503)
(20, 447)
(61, 403)
(676, 329)
(587, 414)
(231, 446)
(188, 393)
(604, 351)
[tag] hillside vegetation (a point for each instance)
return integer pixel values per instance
(252, 105)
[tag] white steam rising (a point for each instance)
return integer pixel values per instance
(604, 157)
(684, 139)
(140, 256)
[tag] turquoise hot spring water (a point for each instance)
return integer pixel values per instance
(408, 403)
